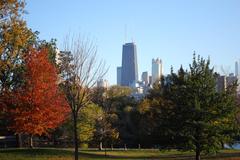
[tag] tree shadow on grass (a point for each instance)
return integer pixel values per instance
(95, 155)
(224, 156)
(163, 157)
(37, 151)
(166, 157)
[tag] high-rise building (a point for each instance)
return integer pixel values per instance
(102, 83)
(239, 67)
(236, 68)
(129, 74)
(156, 69)
(150, 79)
(119, 73)
(221, 83)
(231, 79)
(145, 78)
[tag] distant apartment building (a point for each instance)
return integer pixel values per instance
(223, 82)
(129, 70)
(150, 79)
(119, 75)
(236, 68)
(145, 78)
(157, 70)
(102, 83)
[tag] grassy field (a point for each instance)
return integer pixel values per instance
(67, 154)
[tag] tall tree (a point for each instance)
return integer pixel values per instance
(39, 105)
(193, 115)
(80, 74)
(88, 117)
(119, 107)
(15, 38)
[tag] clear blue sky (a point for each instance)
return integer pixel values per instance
(168, 29)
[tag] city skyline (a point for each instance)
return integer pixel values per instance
(172, 30)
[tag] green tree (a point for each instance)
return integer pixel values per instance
(122, 107)
(119, 107)
(15, 38)
(51, 46)
(193, 115)
(88, 117)
(104, 132)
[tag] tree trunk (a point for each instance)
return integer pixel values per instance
(75, 136)
(31, 141)
(198, 153)
(100, 146)
(125, 147)
(19, 140)
(222, 144)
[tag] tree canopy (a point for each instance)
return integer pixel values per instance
(38, 105)
(188, 112)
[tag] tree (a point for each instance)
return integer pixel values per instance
(88, 117)
(39, 105)
(120, 109)
(193, 115)
(79, 77)
(104, 131)
(15, 38)
(121, 106)
(154, 123)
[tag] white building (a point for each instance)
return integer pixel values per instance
(102, 83)
(236, 68)
(57, 56)
(157, 70)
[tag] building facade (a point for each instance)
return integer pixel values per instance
(103, 83)
(221, 83)
(145, 78)
(129, 71)
(157, 70)
(119, 73)
(236, 68)
(224, 81)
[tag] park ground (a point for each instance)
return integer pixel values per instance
(67, 154)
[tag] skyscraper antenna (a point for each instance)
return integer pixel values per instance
(125, 33)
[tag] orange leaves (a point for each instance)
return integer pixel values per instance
(40, 105)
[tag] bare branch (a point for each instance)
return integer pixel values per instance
(82, 75)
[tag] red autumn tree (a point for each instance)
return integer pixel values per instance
(39, 104)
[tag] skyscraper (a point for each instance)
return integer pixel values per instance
(119, 73)
(239, 67)
(156, 70)
(236, 68)
(129, 72)
(102, 83)
(145, 78)
(221, 83)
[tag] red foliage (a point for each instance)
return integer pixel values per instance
(40, 105)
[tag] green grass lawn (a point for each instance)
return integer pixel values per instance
(67, 154)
